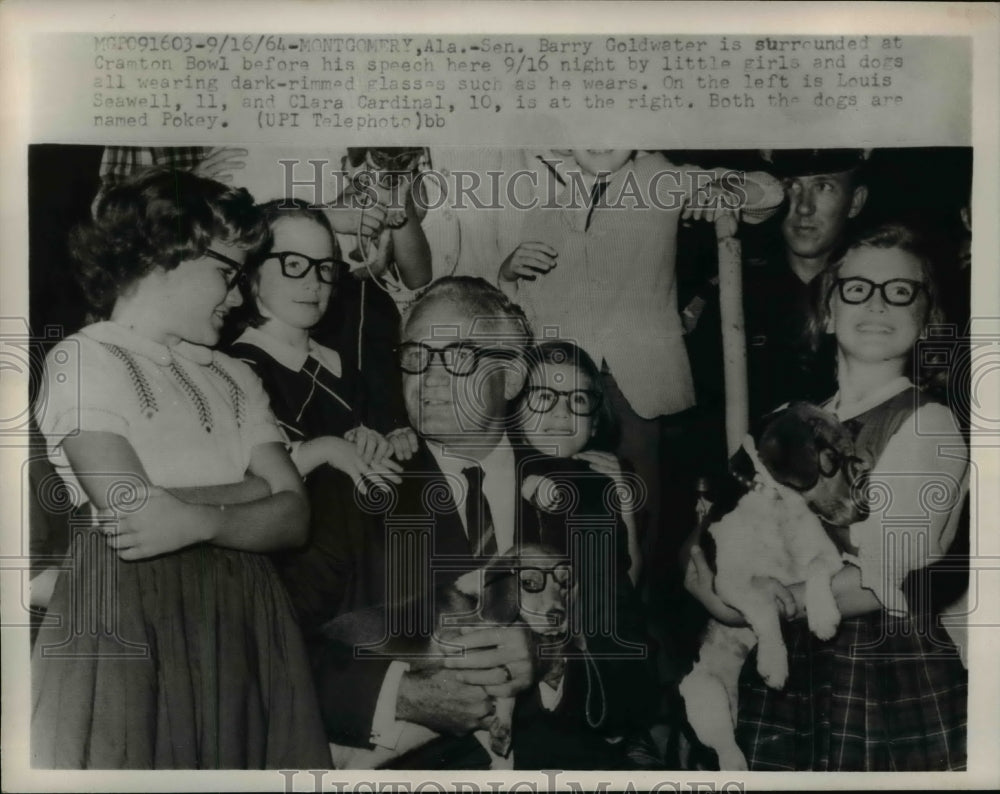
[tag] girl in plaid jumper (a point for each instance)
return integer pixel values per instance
(889, 691)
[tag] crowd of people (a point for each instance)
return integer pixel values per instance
(330, 415)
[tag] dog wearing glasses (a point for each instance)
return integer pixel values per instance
(805, 470)
(533, 588)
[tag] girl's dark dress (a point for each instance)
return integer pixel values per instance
(311, 399)
(308, 398)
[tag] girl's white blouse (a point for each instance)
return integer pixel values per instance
(192, 415)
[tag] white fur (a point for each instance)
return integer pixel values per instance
(771, 533)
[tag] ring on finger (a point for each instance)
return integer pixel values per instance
(508, 673)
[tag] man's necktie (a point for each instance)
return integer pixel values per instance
(478, 518)
(596, 194)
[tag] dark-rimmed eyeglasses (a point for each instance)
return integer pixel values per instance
(237, 267)
(296, 265)
(532, 580)
(542, 399)
(830, 461)
(458, 358)
(895, 291)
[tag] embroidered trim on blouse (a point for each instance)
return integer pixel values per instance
(236, 394)
(143, 391)
(194, 394)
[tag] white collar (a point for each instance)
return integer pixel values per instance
(291, 357)
(845, 411)
(115, 333)
(499, 483)
(451, 460)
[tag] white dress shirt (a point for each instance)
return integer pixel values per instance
(499, 484)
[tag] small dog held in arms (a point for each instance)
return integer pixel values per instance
(533, 588)
(806, 469)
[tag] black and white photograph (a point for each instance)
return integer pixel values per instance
(566, 409)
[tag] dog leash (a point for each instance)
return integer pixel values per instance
(594, 675)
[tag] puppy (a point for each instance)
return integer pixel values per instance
(531, 588)
(806, 469)
(546, 587)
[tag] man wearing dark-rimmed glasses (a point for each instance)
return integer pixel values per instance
(462, 501)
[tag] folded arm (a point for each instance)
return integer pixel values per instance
(165, 522)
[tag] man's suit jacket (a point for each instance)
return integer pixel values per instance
(400, 545)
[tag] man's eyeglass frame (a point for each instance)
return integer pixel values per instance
(447, 356)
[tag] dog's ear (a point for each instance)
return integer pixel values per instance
(470, 584)
(853, 427)
(759, 426)
(787, 448)
(473, 582)
(492, 591)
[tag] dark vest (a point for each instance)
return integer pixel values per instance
(948, 577)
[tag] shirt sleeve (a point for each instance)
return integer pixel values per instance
(386, 730)
(120, 162)
(259, 425)
(551, 695)
(914, 490)
(83, 389)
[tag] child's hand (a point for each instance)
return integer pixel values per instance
(626, 493)
(699, 581)
(346, 213)
(404, 443)
(371, 446)
(403, 207)
(163, 524)
(707, 212)
(602, 462)
(783, 597)
(344, 456)
(607, 464)
(529, 261)
(220, 162)
(542, 492)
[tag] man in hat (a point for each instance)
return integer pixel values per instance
(825, 190)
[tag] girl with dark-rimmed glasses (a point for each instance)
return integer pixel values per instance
(315, 394)
(889, 691)
(564, 412)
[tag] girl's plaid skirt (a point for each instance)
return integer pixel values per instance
(885, 694)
